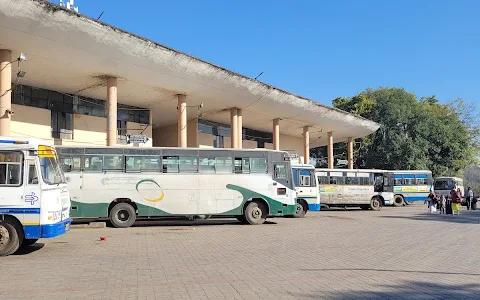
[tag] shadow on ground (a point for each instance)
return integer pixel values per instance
(465, 217)
(405, 290)
(30, 249)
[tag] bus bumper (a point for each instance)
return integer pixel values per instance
(314, 207)
(53, 230)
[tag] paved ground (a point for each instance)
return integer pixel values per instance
(397, 253)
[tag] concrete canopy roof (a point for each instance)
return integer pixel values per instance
(73, 53)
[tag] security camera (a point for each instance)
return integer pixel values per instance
(22, 57)
(10, 112)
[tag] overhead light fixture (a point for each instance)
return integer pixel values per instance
(21, 74)
(22, 57)
(201, 105)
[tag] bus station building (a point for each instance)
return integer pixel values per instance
(73, 80)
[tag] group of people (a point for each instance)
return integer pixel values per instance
(434, 202)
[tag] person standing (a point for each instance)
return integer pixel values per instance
(442, 204)
(432, 203)
(456, 200)
(469, 198)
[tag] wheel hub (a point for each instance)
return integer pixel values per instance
(256, 213)
(4, 236)
(299, 208)
(123, 215)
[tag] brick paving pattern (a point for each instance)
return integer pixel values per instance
(396, 253)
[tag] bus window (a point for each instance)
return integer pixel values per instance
(223, 165)
(323, 180)
(258, 165)
(113, 162)
(32, 173)
(93, 163)
(187, 164)
(409, 179)
(142, 163)
(242, 165)
(280, 171)
(421, 179)
(207, 165)
(305, 178)
(398, 181)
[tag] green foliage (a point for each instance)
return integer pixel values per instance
(414, 133)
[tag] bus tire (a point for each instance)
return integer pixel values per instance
(10, 237)
(204, 217)
(398, 201)
(302, 208)
(122, 215)
(375, 203)
(255, 213)
(28, 242)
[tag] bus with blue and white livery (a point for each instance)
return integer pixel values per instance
(34, 199)
(411, 186)
(306, 185)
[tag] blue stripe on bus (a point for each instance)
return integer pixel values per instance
(314, 207)
(415, 198)
(398, 176)
(409, 176)
(422, 176)
(46, 231)
(16, 210)
(32, 231)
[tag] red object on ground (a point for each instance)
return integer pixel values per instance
(103, 238)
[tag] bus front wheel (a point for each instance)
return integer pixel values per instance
(255, 213)
(122, 215)
(10, 238)
(301, 209)
(375, 203)
(398, 201)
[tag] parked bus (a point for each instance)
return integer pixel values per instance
(306, 186)
(411, 186)
(122, 183)
(34, 199)
(366, 189)
(444, 185)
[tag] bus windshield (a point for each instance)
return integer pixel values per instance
(51, 171)
(444, 184)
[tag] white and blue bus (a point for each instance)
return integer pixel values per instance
(34, 199)
(306, 186)
(411, 186)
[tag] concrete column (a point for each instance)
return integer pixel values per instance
(111, 111)
(331, 159)
(276, 134)
(182, 121)
(350, 153)
(233, 128)
(240, 128)
(5, 91)
(306, 145)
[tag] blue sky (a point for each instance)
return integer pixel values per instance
(319, 49)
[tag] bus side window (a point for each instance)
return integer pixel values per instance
(304, 178)
(10, 168)
(280, 171)
(242, 165)
(32, 173)
(398, 180)
(258, 165)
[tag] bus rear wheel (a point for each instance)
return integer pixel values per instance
(255, 213)
(10, 238)
(375, 203)
(301, 209)
(398, 201)
(122, 215)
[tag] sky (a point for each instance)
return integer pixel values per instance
(319, 49)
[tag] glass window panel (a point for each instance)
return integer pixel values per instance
(170, 164)
(280, 171)
(93, 163)
(112, 162)
(258, 165)
(223, 165)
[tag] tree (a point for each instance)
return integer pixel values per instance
(414, 133)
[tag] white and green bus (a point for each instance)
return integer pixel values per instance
(34, 199)
(123, 184)
(367, 189)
